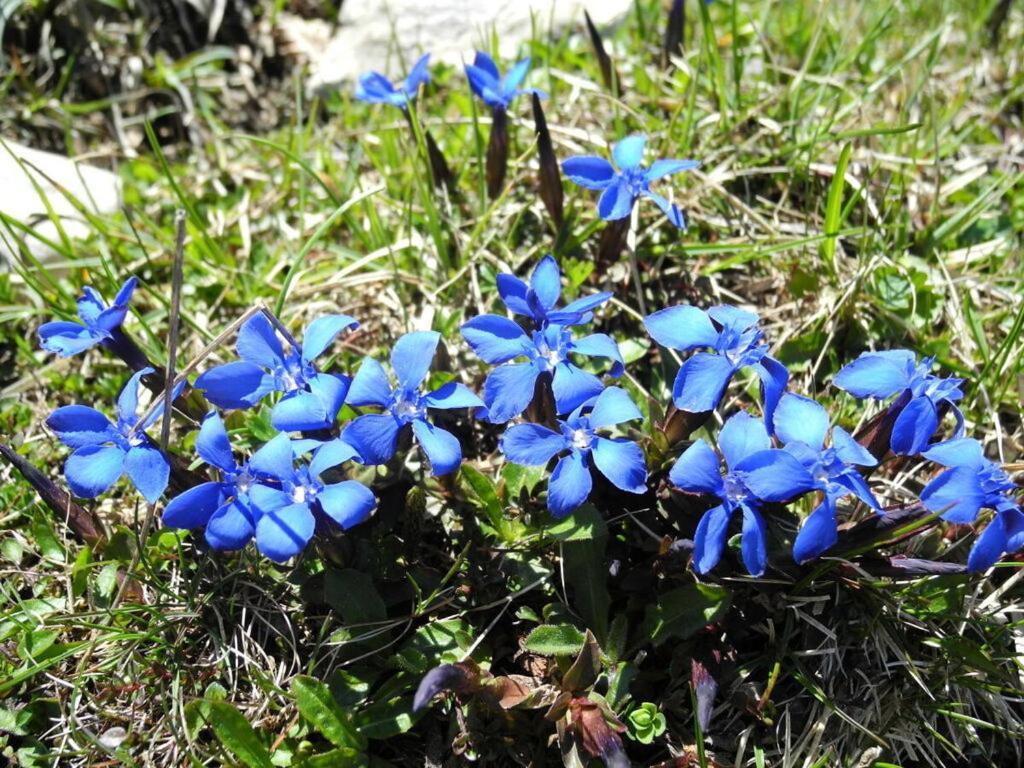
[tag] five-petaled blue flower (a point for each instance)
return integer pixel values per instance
(538, 299)
(375, 88)
(755, 473)
(802, 426)
(104, 451)
(311, 399)
(223, 505)
(972, 483)
(622, 188)
(288, 497)
(496, 91)
(98, 322)
(733, 340)
(883, 374)
(618, 459)
(375, 435)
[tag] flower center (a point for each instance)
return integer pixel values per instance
(635, 180)
(735, 489)
(293, 374)
(408, 407)
(581, 439)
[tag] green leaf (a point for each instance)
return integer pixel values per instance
(684, 611)
(585, 524)
(316, 705)
(387, 718)
(353, 594)
(237, 736)
(485, 494)
(834, 206)
(343, 757)
(584, 536)
(555, 640)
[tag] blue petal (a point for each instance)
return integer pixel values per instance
(613, 406)
(683, 328)
(484, 85)
(331, 390)
(616, 202)
(370, 386)
(495, 339)
(347, 503)
(412, 355)
(956, 493)
(569, 485)
(622, 462)
(661, 168)
(849, 450)
(148, 470)
(194, 507)
(709, 539)
(110, 319)
(754, 544)
(914, 426)
(300, 411)
(235, 385)
(374, 436)
(513, 292)
(452, 395)
(275, 459)
(741, 436)
(697, 470)
(874, 375)
(589, 171)
(258, 343)
(531, 444)
(728, 316)
(331, 454)
(92, 469)
(482, 61)
(800, 419)
(266, 499)
(629, 152)
(322, 331)
(124, 294)
(374, 88)
(818, 533)
(230, 527)
(989, 546)
(963, 452)
(213, 444)
(852, 481)
(442, 447)
(418, 75)
(671, 210)
(546, 282)
(774, 377)
(128, 400)
(775, 475)
(79, 425)
(701, 382)
(66, 339)
(1013, 520)
(600, 345)
(508, 390)
(573, 386)
(284, 533)
(578, 311)
(515, 76)
(90, 305)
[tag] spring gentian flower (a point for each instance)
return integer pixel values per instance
(623, 187)
(104, 451)
(223, 505)
(619, 460)
(375, 435)
(494, 90)
(509, 388)
(880, 375)
(98, 322)
(311, 399)
(972, 483)
(538, 298)
(802, 425)
(375, 88)
(750, 462)
(287, 500)
(733, 341)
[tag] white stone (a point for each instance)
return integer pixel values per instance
(371, 32)
(94, 188)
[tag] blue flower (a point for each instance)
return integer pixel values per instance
(733, 340)
(622, 188)
(972, 483)
(619, 460)
(375, 435)
(880, 375)
(509, 388)
(104, 451)
(802, 426)
(496, 91)
(538, 299)
(288, 496)
(375, 88)
(755, 473)
(223, 505)
(98, 322)
(311, 399)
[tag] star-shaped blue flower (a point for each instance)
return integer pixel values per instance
(972, 483)
(623, 187)
(618, 459)
(494, 90)
(375, 88)
(375, 435)
(104, 451)
(98, 322)
(755, 474)
(538, 299)
(733, 341)
(802, 426)
(311, 399)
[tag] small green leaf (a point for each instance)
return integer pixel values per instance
(585, 524)
(684, 611)
(555, 640)
(237, 736)
(316, 705)
(483, 491)
(343, 757)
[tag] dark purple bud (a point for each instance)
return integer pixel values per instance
(674, 32)
(584, 671)
(439, 167)
(550, 174)
(608, 72)
(613, 240)
(878, 528)
(463, 677)
(497, 152)
(877, 433)
(541, 409)
(679, 425)
(704, 690)
(596, 729)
